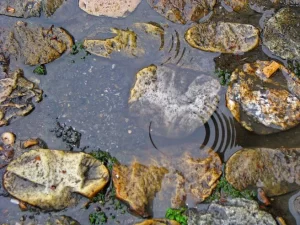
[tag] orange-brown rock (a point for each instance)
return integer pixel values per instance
(137, 185)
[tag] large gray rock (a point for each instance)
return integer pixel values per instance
(232, 211)
(176, 102)
(281, 34)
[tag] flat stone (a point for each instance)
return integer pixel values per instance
(261, 104)
(176, 103)
(182, 11)
(21, 8)
(137, 185)
(223, 37)
(124, 42)
(34, 44)
(276, 171)
(50, 6)
(232, 211)
(110, 8)
(48, 179)
(281, 34)
(17, 95)
(192, 178)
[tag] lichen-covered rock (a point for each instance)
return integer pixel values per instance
(111, 8)
(17, 95)
(50, 6)
(232, 211)
(261, 104)
(35, 44)
(29, 8)
(137, 185)
(182, 11)
(258, 5)
(124, 42)
(223, 37)
(192, 178)
(276, 171)
(281, 34)
(21, 8)
(175, 102)
(48, 179)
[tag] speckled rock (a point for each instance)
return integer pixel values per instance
(17, 95)
(34, 44)
(137, 185)
(261, 104)
(111, 8)
(50, 6)
(21, 8)
(259, 5)
(281, 34)
(276, 171)
(192, 178)
(29, 8)
(223, 37)
(182, 11)
(233, 211)
(175, 102)
(48, 179)
(124, 42)
(158, 222)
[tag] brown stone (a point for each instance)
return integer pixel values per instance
(137, 185)
(223, 37)
(276, 171)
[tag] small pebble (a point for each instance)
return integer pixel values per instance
(14, 201)
(8, 138)
(129, 131)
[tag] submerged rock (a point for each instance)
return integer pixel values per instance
(49, 178)
(124, 41)
(35, 44)
(29, 8)
(281, 34)
(111, 8)
(223, 37)
(137, 185)
(232, 211)
(17, 95)
(182, 11)
(133, 42)
(158, 222)
(276, 171)
(50, 6)
(192, 178)
(176, 103)
(261, 104)
(21, 8)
